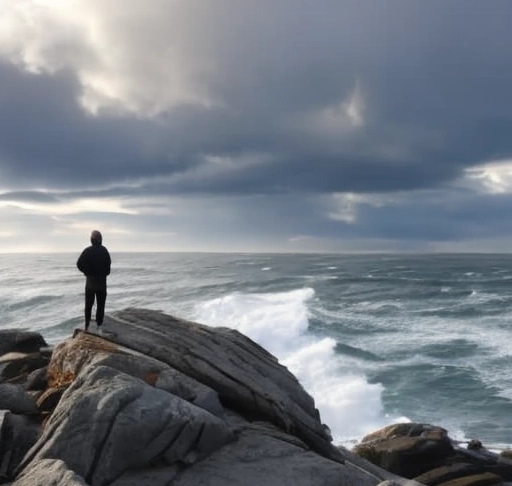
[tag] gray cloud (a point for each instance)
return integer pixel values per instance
(434, 79)
(291, 100)
(28, 196)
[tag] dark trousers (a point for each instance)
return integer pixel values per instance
(101, 297)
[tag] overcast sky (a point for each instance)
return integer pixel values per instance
(265, 125)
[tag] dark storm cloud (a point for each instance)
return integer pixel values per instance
(430, 81)
(48, 140)
(436, 218)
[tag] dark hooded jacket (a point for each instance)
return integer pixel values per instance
(95, 262)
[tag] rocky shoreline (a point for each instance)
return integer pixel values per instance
(161, 401)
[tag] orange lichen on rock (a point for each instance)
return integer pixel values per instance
(57, 379)
(91, 341)
(72, 355)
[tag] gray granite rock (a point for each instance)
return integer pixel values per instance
(36, 380)
(108, 422)
(15, 367)
(18, 434)
(16, 399)
(447, 472)
(179, 384)
(155, 476)
(20, 340)
(49, 472)
(164, 377)
(247, 378)
(159, 401)
(257, 458)
(71, 356)
(407, 450)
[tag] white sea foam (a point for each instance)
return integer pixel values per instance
(479, 297)
(348, 404)
(367, 305)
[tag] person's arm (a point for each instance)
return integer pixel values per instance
(82, 262)
(108, 263)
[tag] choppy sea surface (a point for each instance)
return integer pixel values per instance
(375, 339)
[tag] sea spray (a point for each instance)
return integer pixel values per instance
(348, 404)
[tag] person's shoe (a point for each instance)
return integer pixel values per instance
(99, 331)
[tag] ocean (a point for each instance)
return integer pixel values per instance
(375, 339)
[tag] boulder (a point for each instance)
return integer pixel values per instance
(85, 349)
(485, 460)
(507, 454)
(36, 380)
(247, 378)
(108, 422)
(480, 455)
(407, 450)
(18, 434)
(484, 479)
(20, 340)
(395, 430)
(16, 399)
(15, 366)
(446, 473)
(258, 457)
(159, 401)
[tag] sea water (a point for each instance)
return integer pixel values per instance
(375, 339)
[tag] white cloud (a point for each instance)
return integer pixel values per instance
(137, 59)
(346, 208)
(493, 177)
(65, 226)
(354, 107)
(346, 204)
(104, 205)
(338, 119)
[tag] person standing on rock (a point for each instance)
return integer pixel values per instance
(94, 262)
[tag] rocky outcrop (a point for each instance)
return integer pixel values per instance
(20, 341)
(246, 377)
(406, 449)
(161, 401)
(22, 354)
(426, 454)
